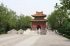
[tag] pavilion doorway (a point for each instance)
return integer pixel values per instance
(38, 27)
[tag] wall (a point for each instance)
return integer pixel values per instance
(34, 25)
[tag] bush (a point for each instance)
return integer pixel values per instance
(2, 30)
(67, 36)
(65, 29)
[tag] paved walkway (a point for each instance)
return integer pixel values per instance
(29, 41)
(11, 41)
(50, 39)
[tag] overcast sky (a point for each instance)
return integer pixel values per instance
(29, 7)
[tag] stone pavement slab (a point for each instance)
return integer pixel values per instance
(5, 38)
(28, 42)
(14, 40)
(52, 39)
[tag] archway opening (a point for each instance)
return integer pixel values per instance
(38, 27)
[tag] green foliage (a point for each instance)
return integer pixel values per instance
(67, 36)
(65, 4)
(52, 21)
(2, 30)
(65, 29)
(9, 20)
(24, 22)
(59, 18)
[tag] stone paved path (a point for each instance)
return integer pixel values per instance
(29, 41)
(50, 39)
(11, 41)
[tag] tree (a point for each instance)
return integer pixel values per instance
(60, 18)
(3, 17)
(10, 20)
(65, 4)
(24, 21)
(52, 21)
(57, 18)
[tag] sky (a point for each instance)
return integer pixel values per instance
(29, 7)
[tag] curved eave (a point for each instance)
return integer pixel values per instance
(38, 15)
(38, 21)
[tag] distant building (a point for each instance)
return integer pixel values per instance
(38, 21)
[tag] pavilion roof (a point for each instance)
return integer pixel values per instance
(39, 14)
